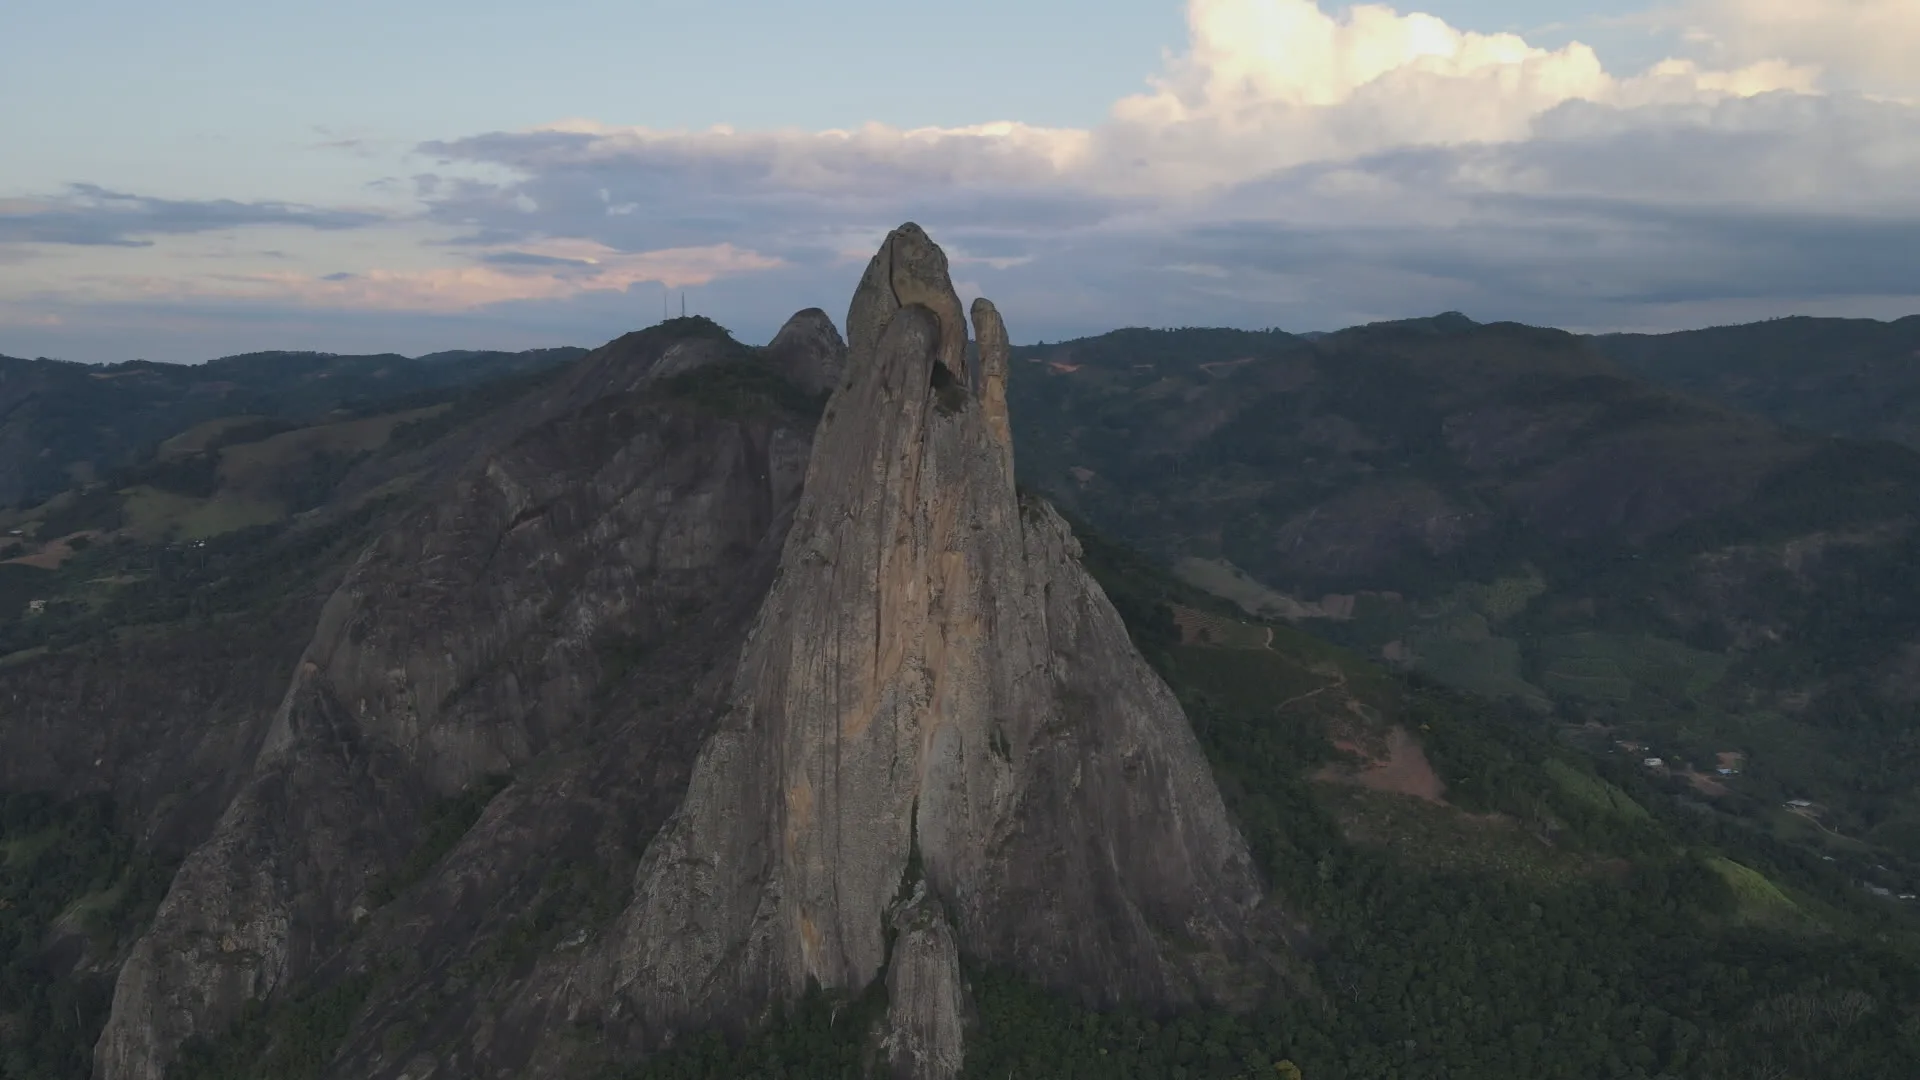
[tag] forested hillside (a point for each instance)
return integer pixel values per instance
(65, 424)
(1853, 377)
(1432, 595)
(1474, 898)
(1504, 510)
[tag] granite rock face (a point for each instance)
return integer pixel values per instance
(926, 1000)
(934, 670)
(809, 349)
(586, 542)
(780, 698)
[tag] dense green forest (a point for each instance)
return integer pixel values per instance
(206, 549)
(1561, 912)
(286, 1040)
(1853, 377)
(1554, 920)
(65, 421)
(73, 891)
(1504, 509)
(123, 583)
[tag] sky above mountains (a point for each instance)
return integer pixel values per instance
(212, 176)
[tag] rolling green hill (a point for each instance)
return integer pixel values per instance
(1430, 593)
(1473, 897)
(1503, 509)
(1853, 377)
(63, 424)
(217, 516)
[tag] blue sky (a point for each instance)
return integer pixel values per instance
(185, 180)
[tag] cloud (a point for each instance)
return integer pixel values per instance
(87, 215)
(1291, 166)
(1268, 84)
(1264, 85)
(1865, 45)
(562, 269)
(1379, 141)
(528, 258)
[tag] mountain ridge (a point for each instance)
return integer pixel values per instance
(411, 745)
(1506, 509)
(933, 680)
(63, 422)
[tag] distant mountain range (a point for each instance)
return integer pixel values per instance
(1854, 377)
(64, 423)
(1424, 699)
(1508, 510)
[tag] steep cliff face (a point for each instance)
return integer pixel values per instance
(810, 349)
(588, 540)
(778, 703)
(933, 671)
(165, 723)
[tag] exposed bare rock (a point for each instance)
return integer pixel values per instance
(598, 527)
(926, 1002)
(1359, 531)
(994, 353)
(750, 696)
(933, 666)
(809, 350)
(167, 724)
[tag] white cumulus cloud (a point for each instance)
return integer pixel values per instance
(1865, 45)
(1293, 164)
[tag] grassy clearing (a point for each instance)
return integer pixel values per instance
(1594, 791)
(201, 435)
(1506, 597)
(1205, 628)
(23, 850)
(1427, 836)
(90, 911)
(252, 476)
(1601, 666)
(30, 520)
(1228, 582)
(1460, 649)
(158, 516)
(252, 467)
(1257, 681)
(55, 553)
(1297, 678)
(1759, 900)
(21, 656)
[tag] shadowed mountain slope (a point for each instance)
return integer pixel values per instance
(1504, 509)
(699, 710)
(1851, 377)
(65, 423)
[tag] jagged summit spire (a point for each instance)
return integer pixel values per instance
(994, 353)
(908, 269)
(911, 270)
(933, 671)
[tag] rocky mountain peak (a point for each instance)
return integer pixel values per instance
(936, 700)
(570, 572)
(834, 699)
(809, 350)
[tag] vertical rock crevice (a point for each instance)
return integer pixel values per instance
(933, 667)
